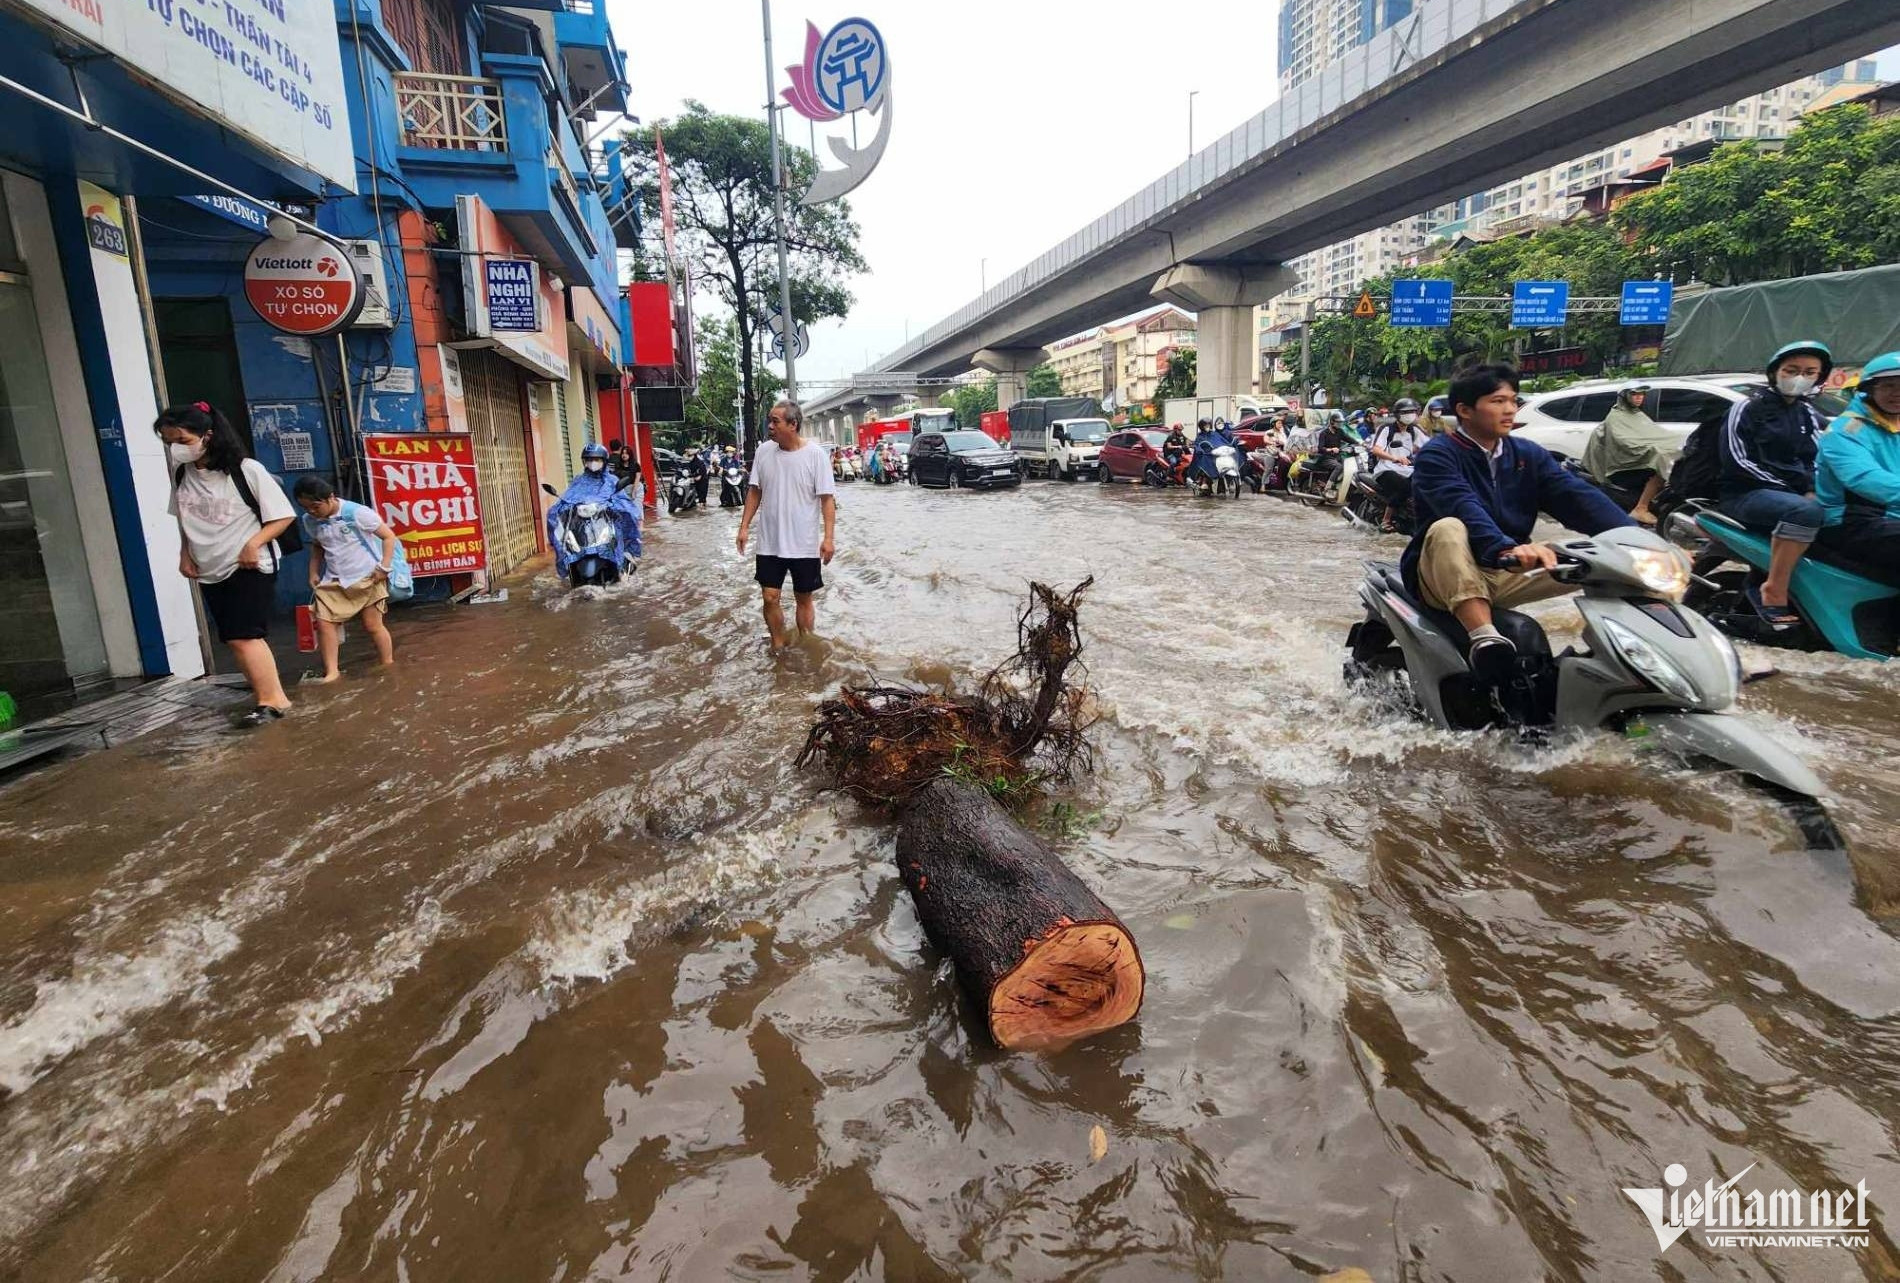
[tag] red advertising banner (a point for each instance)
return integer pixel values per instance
(424, 485)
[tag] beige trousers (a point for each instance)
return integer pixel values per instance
(1449, 574)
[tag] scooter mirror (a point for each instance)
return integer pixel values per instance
(551, 490)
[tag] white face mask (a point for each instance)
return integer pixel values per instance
(188, 453)
(1408, 419)
(595, 465)
(1794, 385)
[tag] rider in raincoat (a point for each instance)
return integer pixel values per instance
(1204, 468)
(596, 484)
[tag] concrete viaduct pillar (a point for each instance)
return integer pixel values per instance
(1222, 298)
(1011, 366)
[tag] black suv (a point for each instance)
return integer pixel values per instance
(957, 459)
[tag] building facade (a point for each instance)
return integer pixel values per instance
(1121, 364)
(426, 139)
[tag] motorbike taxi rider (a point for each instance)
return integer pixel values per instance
(1478, 491)
(1857, 476)
(596, 483)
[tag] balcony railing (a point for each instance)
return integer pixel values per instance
(458, 113)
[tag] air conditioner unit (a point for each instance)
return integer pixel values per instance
(370, 265)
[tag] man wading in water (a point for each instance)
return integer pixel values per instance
(790, 490)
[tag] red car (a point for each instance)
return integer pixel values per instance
(1249, 433)
(1126, 454)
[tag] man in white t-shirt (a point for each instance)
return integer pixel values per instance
(792, 494)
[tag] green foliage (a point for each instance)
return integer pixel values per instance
(1181, 377)
(1066, 824)
(712, 413)
(722, 203)
(1013, 793)
(972, 401)
(1043, 381)
(1828, 202)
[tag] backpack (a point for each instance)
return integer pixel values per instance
(291, 540)
(402, 581)
(1697, 473)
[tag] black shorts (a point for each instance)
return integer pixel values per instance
(807, 573)
(240, 606)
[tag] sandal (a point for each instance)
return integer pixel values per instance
(261, 715)
(1776, 617)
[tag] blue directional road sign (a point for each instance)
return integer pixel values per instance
(1647, 302)
(1421, 304)
(1539, 305)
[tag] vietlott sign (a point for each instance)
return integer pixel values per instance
(1732, 1217)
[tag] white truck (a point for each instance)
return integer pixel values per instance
(1058, 436)
(1187, 412)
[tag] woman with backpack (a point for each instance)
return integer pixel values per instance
(231, 514)
(353, 557)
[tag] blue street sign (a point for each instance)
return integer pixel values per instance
(245, 213)
(1647, 302)
(1421, 304)
(1537, 305)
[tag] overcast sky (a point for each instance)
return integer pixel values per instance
(1015, 124)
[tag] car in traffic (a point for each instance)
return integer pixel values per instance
(1126, 454)
(665, 462)
(965, 458)
(1561, 421)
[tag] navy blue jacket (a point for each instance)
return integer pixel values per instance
(1452, 478)
(1768, 444)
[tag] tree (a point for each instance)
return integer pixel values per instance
(713, 411)
(972, 401)
(1181, 378)
(722, 203)
(1043, 381)
(1829, 201)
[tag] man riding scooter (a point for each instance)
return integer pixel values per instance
(604, 554)
(1478, 492)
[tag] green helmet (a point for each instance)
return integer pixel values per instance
(1812, 347)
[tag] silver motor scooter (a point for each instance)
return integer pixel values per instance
(1646, 666)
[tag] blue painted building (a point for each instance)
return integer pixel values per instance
(145, 144)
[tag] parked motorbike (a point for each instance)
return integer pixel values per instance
(590, 543)
(682, 493)
(732, 485)
(1648, 667)
(1841, 607)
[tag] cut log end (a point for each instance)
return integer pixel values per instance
(1078, 980)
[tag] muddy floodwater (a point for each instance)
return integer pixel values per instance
(536, 959)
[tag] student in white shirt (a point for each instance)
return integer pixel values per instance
(351, 554)
(230, 511)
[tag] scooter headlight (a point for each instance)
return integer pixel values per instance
(1735, 671)
(1651, 663)
(588, 511)
(1662, 571)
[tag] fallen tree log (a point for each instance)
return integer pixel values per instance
(1043, 958)
(1045, 961)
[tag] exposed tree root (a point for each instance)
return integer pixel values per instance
(1024, 725)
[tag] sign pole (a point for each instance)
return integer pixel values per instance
(778, 208)
(1306, 355)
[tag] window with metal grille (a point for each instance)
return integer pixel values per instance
(426, 30)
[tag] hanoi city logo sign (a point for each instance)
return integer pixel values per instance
(1731, 1217)
(846, 73)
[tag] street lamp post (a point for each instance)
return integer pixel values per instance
(778, 208)
(983, 275)
(1191, 95)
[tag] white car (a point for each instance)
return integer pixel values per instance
(1561, 421)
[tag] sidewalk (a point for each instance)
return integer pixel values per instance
(115, 719)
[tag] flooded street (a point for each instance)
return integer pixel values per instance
(536, 958)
